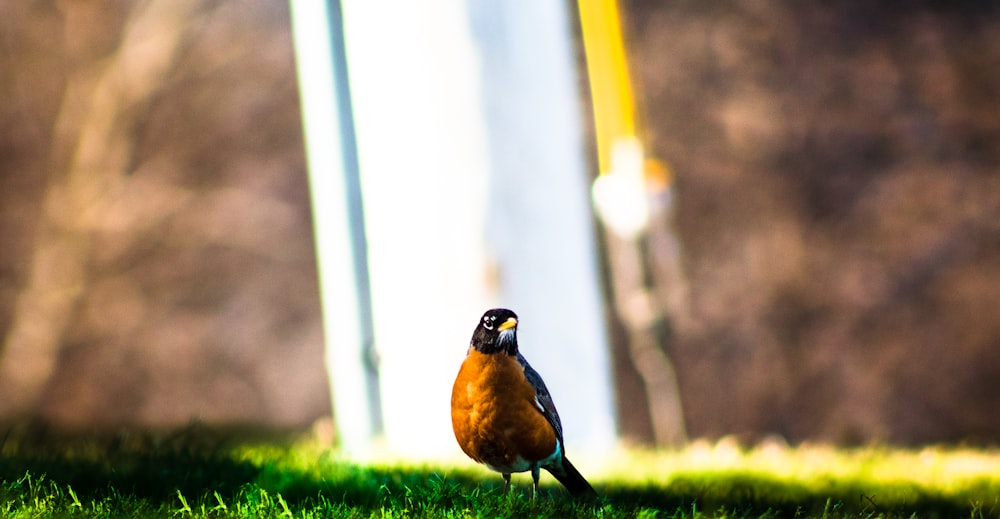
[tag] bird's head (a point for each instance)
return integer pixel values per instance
(496, 332)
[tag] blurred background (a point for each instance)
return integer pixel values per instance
(820, 259)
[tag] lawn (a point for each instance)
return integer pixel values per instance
(146, 477)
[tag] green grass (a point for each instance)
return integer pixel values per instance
(147, 478)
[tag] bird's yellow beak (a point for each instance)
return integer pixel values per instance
(508, 324)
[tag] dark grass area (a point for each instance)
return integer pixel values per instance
(156, 478)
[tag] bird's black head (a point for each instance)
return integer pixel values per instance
(496, 332)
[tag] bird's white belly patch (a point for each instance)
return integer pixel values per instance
(522, 465)
(519, 465)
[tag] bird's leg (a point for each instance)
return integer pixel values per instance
(534, 478)
(506, 483)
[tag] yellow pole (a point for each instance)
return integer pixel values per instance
(621, 196)
(607, 68)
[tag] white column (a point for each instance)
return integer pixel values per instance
(422, 150)
(472, 171)
(339, 224)
(540, 219)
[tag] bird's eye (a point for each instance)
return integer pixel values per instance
(488, 322)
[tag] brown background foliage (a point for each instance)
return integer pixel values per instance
(838, 203)
(201, 299)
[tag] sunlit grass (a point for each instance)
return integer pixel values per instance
(947, 471)
(870, 480)
(147, 479)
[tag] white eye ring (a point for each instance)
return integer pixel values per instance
(487, 322)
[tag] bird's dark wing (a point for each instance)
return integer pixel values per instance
(542, 397)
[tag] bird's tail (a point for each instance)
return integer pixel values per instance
(566, 473)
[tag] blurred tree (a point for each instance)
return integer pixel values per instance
(632, 196)
(837, 206)
(157, 261)
(105, 91)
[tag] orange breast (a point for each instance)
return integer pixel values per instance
(494, 415)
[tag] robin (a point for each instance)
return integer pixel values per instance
(502, 413)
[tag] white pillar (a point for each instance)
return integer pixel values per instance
(540, 220)
(471, 164)
(422, 151)
(338, 222)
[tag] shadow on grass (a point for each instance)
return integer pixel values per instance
(208, 469)
(211, 470)
(143, 464)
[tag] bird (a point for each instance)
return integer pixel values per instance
(502, 413)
